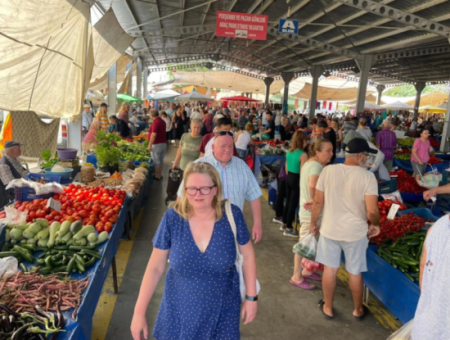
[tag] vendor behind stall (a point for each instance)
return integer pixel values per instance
(10, 169)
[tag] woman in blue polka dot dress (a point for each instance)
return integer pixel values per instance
(201, 297)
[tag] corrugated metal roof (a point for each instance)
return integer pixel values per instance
(319, 19)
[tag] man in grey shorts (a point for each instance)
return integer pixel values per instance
(348, 194)
(157, 143)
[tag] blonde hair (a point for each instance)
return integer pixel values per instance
(363, 122)
(182, 207)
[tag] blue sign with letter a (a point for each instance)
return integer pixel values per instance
(288, 26)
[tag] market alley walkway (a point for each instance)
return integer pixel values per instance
(284, 311)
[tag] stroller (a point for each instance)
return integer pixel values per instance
(173, 183)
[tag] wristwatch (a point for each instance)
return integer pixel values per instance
(251, 298)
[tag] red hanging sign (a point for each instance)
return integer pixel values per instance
(241, 25)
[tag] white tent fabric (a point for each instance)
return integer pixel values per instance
(165, 94)
(110, 41)
(45, 54)
(102, 83)
(193, 96)
(398, 105)
(369, 106)
(226, 80)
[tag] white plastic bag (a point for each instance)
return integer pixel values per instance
(14, 216)
(8, 266)
(403, 333)
(306, 248)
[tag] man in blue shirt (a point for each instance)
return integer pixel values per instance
(238, 182)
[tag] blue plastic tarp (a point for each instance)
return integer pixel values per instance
(406, 165)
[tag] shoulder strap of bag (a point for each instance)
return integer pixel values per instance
(230, 217)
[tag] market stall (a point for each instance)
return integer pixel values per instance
(65, 239)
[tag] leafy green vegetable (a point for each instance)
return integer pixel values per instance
(47, 158)
(134, 151)
(108, 154)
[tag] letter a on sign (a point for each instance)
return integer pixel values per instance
(288, 26)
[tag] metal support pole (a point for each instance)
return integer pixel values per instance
(419, 88)
(363, 80)
(129, 89)
(139, 78)
(145, 90)
(112, 90)
(316, 72)
(268, 81)
(446, 130)
(380, 89)
(287, 77)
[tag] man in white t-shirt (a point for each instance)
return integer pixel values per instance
(348, 194)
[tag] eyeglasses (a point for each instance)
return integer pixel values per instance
(366, 154)
(203, 190)
(224, 133)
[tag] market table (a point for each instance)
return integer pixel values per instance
(81, 328)
(391, 286)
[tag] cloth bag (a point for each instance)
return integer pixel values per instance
(239, 257)
(403, 333)
(430, 179)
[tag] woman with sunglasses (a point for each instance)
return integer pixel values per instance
(201, 296)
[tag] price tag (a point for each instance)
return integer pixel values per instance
(393, 211)
(53, 204)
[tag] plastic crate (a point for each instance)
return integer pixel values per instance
(28, 194)
(442, 156)
(421, 212)
(44, 178)
(386, 187)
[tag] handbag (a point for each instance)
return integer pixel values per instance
(239, 257)
(431, 179)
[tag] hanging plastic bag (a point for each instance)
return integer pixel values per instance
(8, 266)
(306, 248)
(14, 216)
(403, 333)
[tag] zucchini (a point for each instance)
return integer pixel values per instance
(75, 227)
(85, 231)
(70, 265)
(91, 253)
(81, 247)
(63, 230)
(42, 243)
(409, 277)
(4, 254)
(24, 254)
(43, 234)
(35, 228)
(16, 234)
(42, 221)
(53, 229)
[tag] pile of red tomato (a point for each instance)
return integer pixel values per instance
(97, 206)
(385, 206)
(398, 227)
(434, 143)
(434, 160)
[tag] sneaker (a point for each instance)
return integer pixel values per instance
(290, 232)
(283, 228)
(278, 220)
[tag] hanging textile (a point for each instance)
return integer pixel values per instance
(35, 135)
(304, 105)
(296, 103)
(46, 56)
(324, 106)
(330, 106)
(337, 105)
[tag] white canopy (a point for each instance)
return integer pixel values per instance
(193, 96)
(369, 106)
(398, 105)
(165, 94)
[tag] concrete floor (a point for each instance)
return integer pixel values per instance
(284, 311)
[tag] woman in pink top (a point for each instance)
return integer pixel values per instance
(89, 140)
(420, 154)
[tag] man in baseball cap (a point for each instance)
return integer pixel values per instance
(86, 118)
(346, 197)
(10, 169)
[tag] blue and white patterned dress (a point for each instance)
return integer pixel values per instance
(201, 297)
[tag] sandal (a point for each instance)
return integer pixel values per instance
(313, 276)
(361, 317)
(304, 285)
(321, 303)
